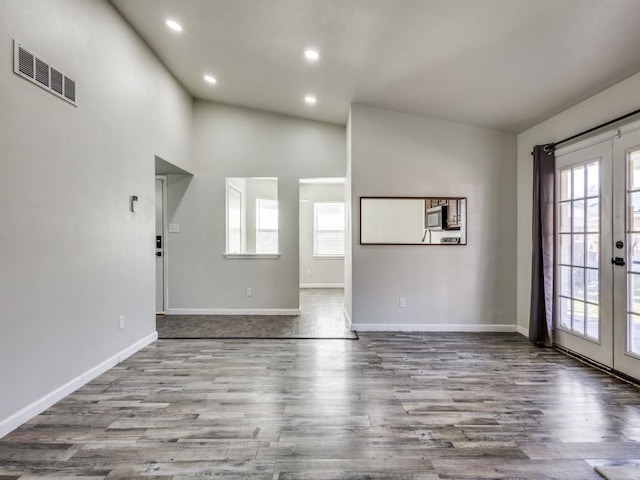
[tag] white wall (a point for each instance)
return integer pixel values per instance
(618, 100)
(240, 185)
(315, 271)
(240, 142)
(74, 258)
(266, 189)
(348, 237)
(446, 287)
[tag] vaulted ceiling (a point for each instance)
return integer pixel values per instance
(503, 64)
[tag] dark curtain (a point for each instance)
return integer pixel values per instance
(542, 261)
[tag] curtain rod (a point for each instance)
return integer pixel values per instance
(572, 137)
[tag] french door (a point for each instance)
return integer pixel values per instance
(584, 300)
(626, 256)
(598, 251)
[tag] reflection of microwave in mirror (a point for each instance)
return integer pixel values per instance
(413, 221)
(437, 217)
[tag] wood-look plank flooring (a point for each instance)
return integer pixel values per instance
(321, 316)
(390, 406)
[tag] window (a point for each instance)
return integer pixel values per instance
(234, 219)
(266, 226)
(579, 249)
(328, 229)
(251, 217)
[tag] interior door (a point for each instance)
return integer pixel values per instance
(626, 254)
(160, 250)
(583, 320)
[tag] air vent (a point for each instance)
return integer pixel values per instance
(56, 81)
(25, 62)
(70, 89)
(41, 73)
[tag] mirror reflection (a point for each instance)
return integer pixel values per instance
(413, 220)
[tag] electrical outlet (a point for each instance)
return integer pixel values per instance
(121, 321)
(403, 302)
(308, 272)
(249, 292)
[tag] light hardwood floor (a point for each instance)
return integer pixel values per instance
(390, 406)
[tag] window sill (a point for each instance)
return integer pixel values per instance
(251, 255)
(328, 257)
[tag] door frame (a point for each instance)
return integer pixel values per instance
(625, 362)
(613, 135)
(598, 350)
(165, 231)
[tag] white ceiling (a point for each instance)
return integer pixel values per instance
(503, 64)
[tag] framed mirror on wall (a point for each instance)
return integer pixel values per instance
(413, 221)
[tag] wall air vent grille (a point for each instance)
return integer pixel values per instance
(56, 81)
(70, 89)
(25, 62)
(41, 73)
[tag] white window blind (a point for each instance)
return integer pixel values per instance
(266, 226)
(328, 231)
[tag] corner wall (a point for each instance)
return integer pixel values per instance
(468, 287)
(613, 102)
(348, 234)
(232, 141)
(74, 257)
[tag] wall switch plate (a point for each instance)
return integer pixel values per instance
(121, 322)
(249, 292)
(174, 228)
(403, 302)
(308, 272)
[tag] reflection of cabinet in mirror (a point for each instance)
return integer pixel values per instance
(453, 210)
(454, 214)
(413, 220)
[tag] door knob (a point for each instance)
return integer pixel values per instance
(618, 261)
(158, 254)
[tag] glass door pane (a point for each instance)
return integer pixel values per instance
(583, 320)
(626, 254)
(633, 257)
(579, 248)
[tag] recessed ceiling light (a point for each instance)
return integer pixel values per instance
(310, 99)
(173, 25)
(311, 55)
(210, 79)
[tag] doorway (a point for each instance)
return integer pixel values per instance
(161, 224)
(598, 250)
(322, 227)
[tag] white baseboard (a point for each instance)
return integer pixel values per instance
(232, 311)
(40, 405)
(322, 285)
(425, 327)
(523, 331)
